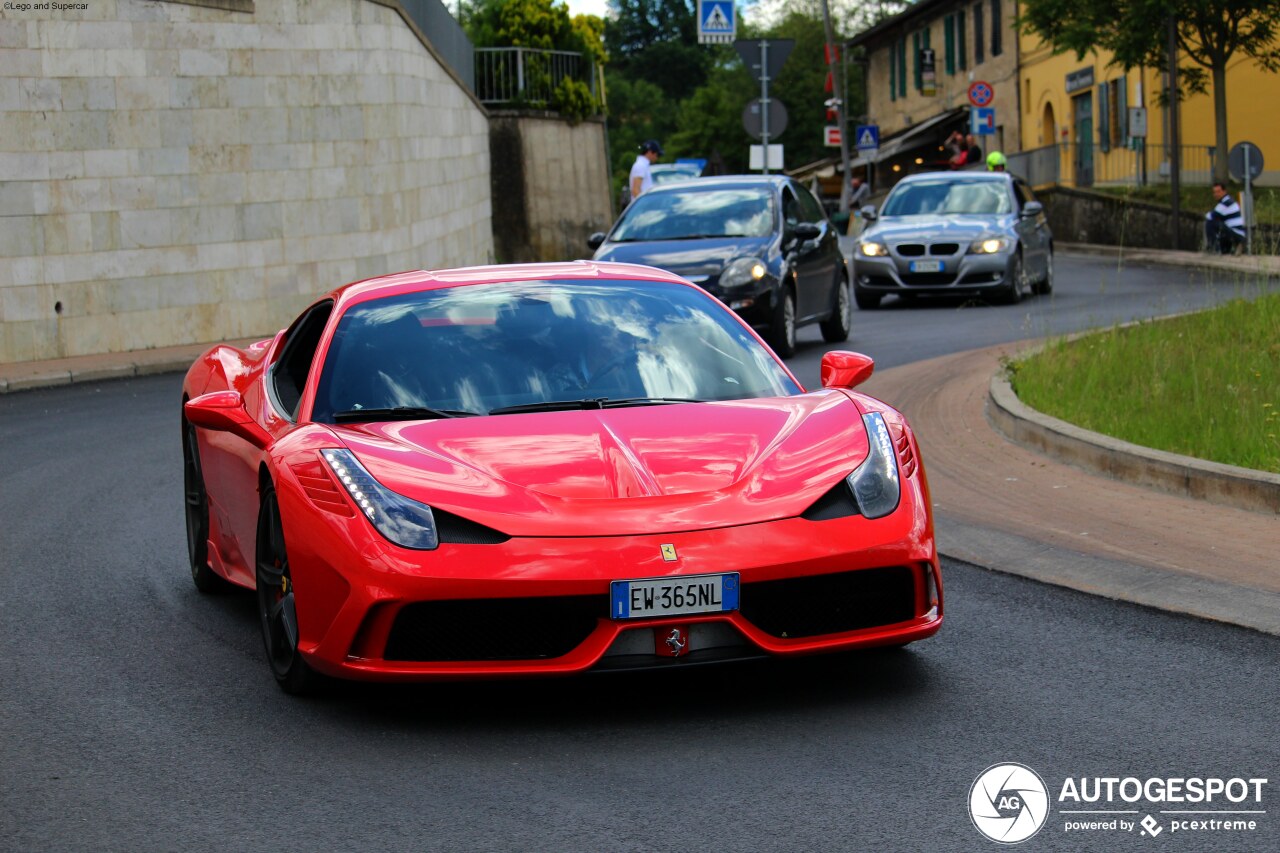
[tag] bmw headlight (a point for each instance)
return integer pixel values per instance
(989, 245)
(872, 249)
(403, 521)
(743, 271)
(875, 484)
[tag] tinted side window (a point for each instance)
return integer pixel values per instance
(792, 214)
(289, 374)
(812, 208)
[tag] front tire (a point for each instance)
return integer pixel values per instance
(1045, 285)
(782, 327)
(196, 506)
(277, 605)
(836, 328)
(1017, 272)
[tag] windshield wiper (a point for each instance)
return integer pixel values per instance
(400, 413)
(589, 403)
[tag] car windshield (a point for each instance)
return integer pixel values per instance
(672, 174)
(692, 211)
(948, 196)
(476, 349)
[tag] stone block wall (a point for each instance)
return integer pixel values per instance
(550, 186)
(174, 173)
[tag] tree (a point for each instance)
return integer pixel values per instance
(657, 40)
(1210, 33)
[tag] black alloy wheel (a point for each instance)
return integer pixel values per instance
(782, 326)
(836, 328)
(196, 501)
(277, 606)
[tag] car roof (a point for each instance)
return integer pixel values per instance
(724, 182)
(959, 176)
(413, 281)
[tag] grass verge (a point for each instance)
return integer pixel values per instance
(1204, 385)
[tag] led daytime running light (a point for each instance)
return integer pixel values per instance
(404, 521)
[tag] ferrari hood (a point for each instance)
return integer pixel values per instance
(646, 469)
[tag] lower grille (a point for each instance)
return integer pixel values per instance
(494, 628)
(928, 278)
(831, 604)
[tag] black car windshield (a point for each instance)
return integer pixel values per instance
(948, 196)
(476, 349)
(692, 211)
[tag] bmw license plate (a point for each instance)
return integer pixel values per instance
(926, 266)
(675, 596)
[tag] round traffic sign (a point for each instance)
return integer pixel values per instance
(980, 93)
(753, 118)
(1236, 160)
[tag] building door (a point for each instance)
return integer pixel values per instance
(1082, 105)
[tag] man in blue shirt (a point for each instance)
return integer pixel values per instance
(1224, 225)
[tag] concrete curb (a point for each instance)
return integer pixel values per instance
(51, 378)
(1229, 485)
(1263, 265)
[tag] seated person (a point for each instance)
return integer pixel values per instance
(1224, 225)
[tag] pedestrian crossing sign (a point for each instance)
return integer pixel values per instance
(867, 137)
(716, 23)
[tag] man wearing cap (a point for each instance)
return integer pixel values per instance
(641, 176)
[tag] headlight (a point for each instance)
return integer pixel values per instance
(989, 245)
(873, 249)
(403, 521)
(742, 271)
(875, 484)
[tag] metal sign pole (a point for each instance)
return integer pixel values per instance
(1248, 203)
(764, 102)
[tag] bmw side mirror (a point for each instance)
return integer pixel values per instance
(1032, 208)
(224, 411)
(844, 369)
(595, 241)
(808, 231)
(869, 212)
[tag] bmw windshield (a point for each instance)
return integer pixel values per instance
(539, 346)
(689, 213)
(948, 196)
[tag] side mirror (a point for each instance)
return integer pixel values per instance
(844, 369)
(224, 411)
(869, 212)
(808, 231)
(1032, 208)
(595, 241)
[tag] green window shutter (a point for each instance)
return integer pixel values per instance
(949, 32)
(915, 52)
(893, 72)
(960, 43)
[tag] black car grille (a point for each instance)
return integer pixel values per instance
(830, 604)
(944, 248)
(494, 628)
(911, 250)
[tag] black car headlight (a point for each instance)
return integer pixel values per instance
(742, 272)
(402, 520)
(875, 484)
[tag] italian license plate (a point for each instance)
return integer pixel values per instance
(926, 266)
(675, 596)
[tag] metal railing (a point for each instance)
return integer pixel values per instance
(1075, 164)
(528, 76)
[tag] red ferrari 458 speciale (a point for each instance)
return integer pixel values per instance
(548, 469)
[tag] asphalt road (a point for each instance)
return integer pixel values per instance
(137, 715)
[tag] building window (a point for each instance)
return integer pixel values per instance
(949, 38)
(1104, 118)
(902, 67)
(915, 50)
(961, 34)
(978, 34)
(1027, 100)
(996, 33)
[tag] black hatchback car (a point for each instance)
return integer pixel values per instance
(762, 244)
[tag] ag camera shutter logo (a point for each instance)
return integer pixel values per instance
(1008, 803)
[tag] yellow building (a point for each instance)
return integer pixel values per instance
(1084, 107)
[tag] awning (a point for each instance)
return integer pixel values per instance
(911, 138)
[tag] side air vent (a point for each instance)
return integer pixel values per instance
(838, 502)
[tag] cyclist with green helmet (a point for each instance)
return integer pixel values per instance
(995, 162)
